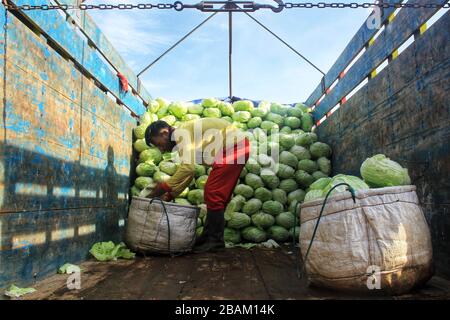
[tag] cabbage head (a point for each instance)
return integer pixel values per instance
(288, 185)
(294, 232)
(285, 220)
(254, 234)
(306, 139)
(189, 117)
(231, 235)
(300, 152)
(254, 122)
(238, 220)
(320, 149)
(252, 206)
(212, 113)
(285, 172)
(286, 130)
(264, 160)
(160, 177)
(307, 165)
(320, 184)
(199, 170)
(244, 190)
(269, 178)
(279, 109)
(263, 220)
(135, 191)
(288, 159)
(272, 207)
(210, 102)
(225, 108)
(278, 233)
(140, 145)
(304, 179)
(315, 194)
(195, 109)
(279, 195)
(153, 106)
(162, 112)
(355, 182)
(298, 195)
(253, 166)
(295, 112)
(292, 122)
(262, 110)
(168, 167)
(178, 109)
(263, 194)
(253, 181)
(187, 203)
(163, 103)
(307, 122)
(379, 171)
(143, 182)
(146, 169)
(324, 165)
(243, 105)
(319, 174)
(195, 196)
(287, 140)
(241, 116)
(269, 126)
(151, 154)
(275, 118)
(139, 131)
(201, 181)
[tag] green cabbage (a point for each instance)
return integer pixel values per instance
(254, 122)
(254, 234)
(201, 181)
(306, 139)
(300, 152)
(269, 126)
(285, 172)
(195, 109)
(264, 160)
(253, 181)
(272, 207)
(161, 177)
(228, 119)
(319, 174)
(226, 108)
(151, 154)
(142, 182)
(307, 165)
(212, 113)
(243, 105)
(324, 165)
(210, 102)
(231, 235)
(260, 135)
(278, 233)
(146, 169)
(286, 130)
(294, 232)
(189, 117)
(186, 203)
(168, 167)
(238, 220)
(262, 110)
(288, 185)
(253, 166)
(244, 172)
(304, 179)
(320, 184)
(263, 194)
(298, 195)
(379, 171)
(279, 109)
(198, 231)
(307, 122)
(292, 122)
(275, 118)
(287, 140)
(241, 116)
(320, 149)
(285, 220)
(269, 178)
(195, 196)
(140, 145)
(135, 191)
(314, 195)
(162, 112)
(170, 119)
(355, 182)
(288, 159)
(252, 206)
(178, 109)
(279, 195)
(139, 131)
(153, 106)
(199, 170)
(263, 220)
(163, 103)
(244, 190)
(295, 112)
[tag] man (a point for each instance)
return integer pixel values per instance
(208, 141)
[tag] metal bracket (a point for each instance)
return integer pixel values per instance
(229, 6)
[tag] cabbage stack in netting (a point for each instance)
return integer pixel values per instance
(286, 159)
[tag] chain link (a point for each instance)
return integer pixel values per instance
(179, 6)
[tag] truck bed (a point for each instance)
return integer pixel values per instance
(236, 274)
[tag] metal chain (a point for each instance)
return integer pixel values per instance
(206, 5)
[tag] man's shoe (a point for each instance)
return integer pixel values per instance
(213, 239)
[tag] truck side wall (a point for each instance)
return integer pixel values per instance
(66, 149)
(404, 112)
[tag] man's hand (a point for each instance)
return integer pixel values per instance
(166, 197)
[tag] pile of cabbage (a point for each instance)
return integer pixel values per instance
(272, 183)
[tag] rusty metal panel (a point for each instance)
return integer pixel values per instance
(404, 113)
(395, 33)
(58, 30)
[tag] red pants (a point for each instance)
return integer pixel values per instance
(224, 175)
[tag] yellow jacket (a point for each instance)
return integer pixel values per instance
(198, 142)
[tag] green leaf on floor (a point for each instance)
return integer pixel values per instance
(16, 292)
(106, 251)
(69, 268)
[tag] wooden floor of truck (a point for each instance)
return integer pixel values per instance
(231, 274)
